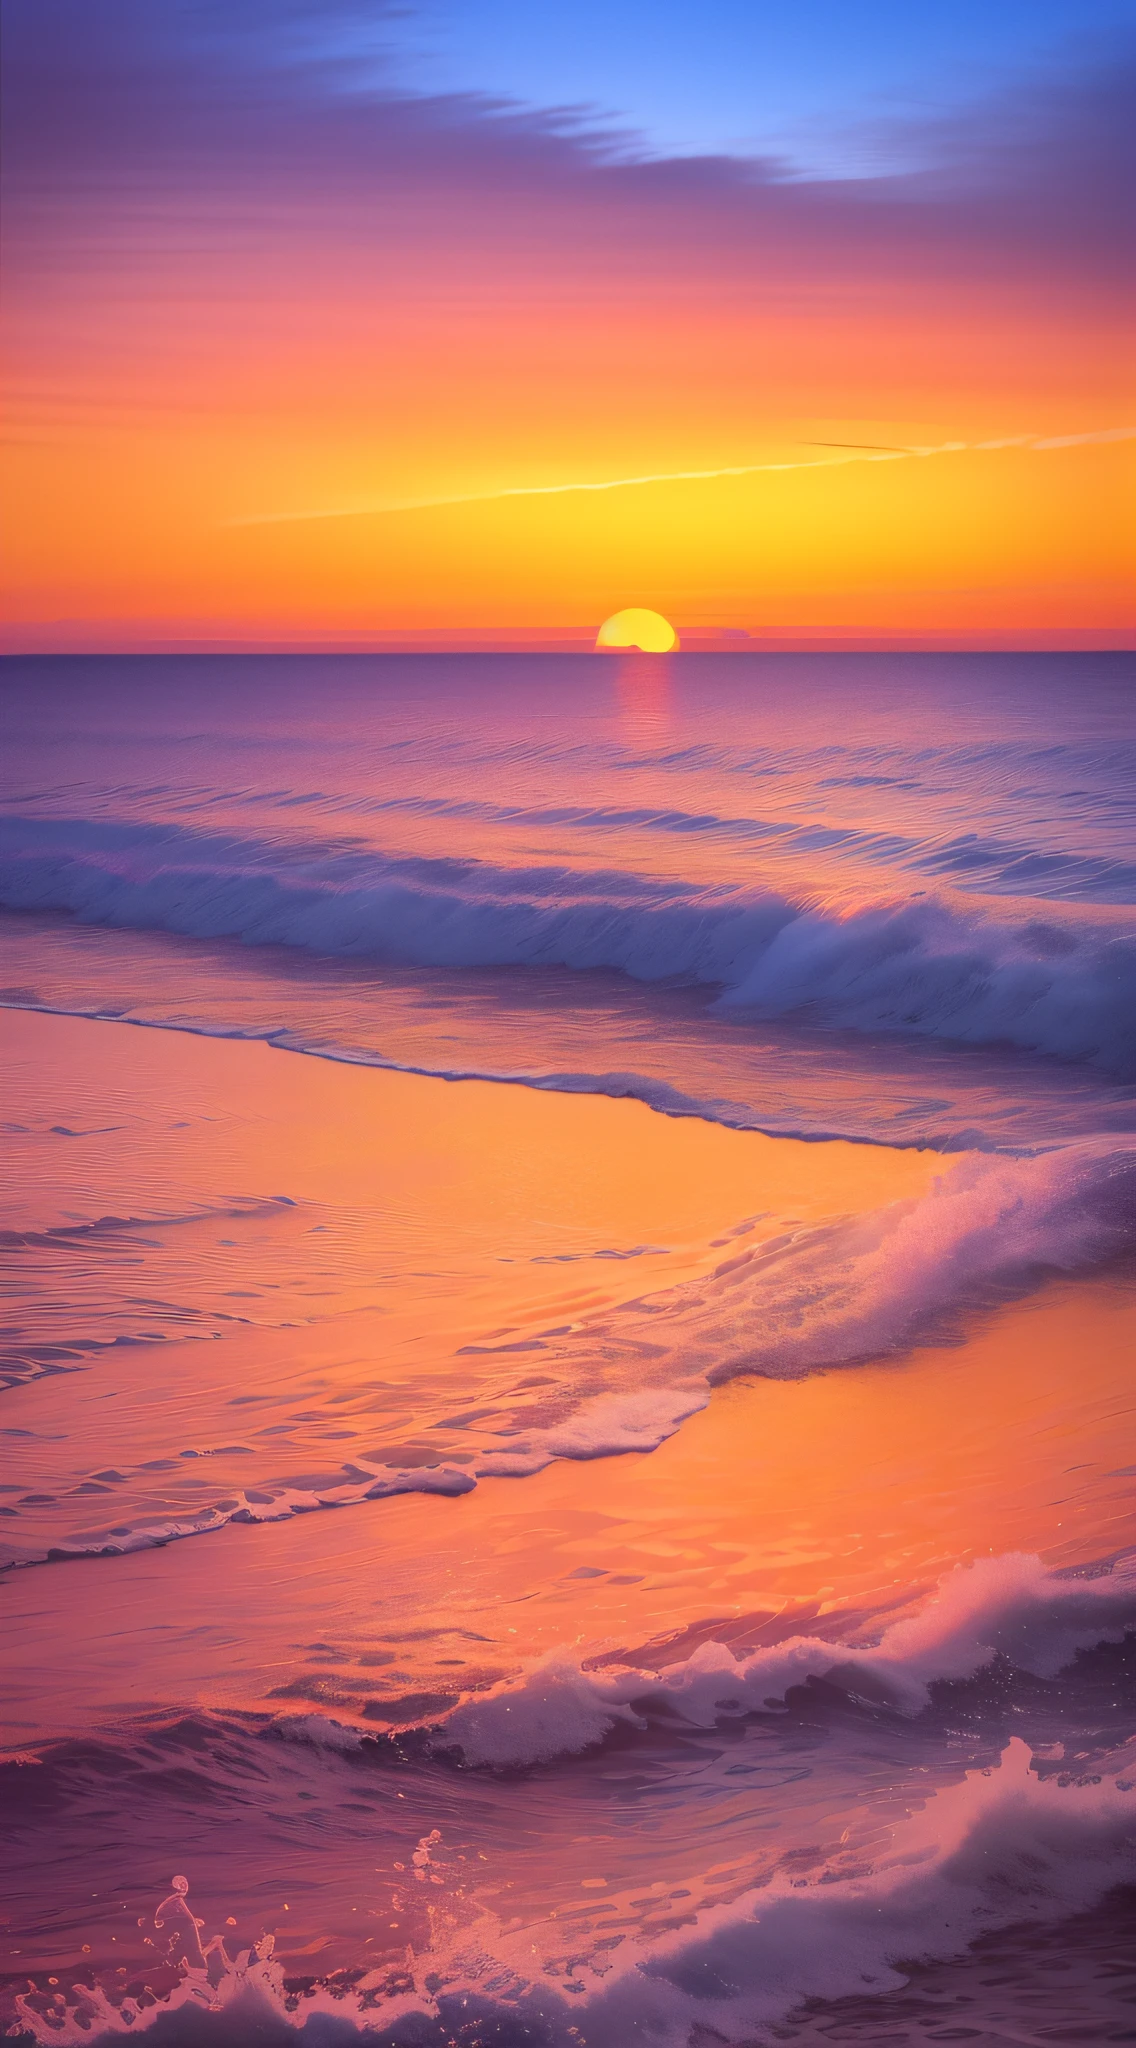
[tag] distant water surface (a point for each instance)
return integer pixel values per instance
(781, 891)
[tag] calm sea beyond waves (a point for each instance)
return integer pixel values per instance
(567, 1400)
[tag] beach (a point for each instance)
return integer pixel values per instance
(564, 1506)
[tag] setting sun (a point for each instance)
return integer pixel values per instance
(648, 631)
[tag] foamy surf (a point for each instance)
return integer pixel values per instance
(1008, 1607)
(1000, 1848)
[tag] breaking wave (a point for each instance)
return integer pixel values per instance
(1008, 1607)
(976, 972)
(1001, 1848)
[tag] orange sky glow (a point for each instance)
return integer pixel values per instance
(239, 378)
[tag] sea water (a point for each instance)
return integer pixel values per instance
(697, 1260)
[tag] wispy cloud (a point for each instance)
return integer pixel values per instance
(689, 476)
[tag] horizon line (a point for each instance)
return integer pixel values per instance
(1085, 640)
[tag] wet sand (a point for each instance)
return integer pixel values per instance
(155, 1684)
(848, 1490)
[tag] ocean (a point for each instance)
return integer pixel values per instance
(566, 1371)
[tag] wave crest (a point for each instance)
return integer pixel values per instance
(833, 1294)
(976, 972)
(998, 1849)
(1008, 1606)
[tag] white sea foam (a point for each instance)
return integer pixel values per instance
(978, 971)
(833, 1294)
(320, 1731)
(1008, 1606)
(273, 1502)
(998, 1849)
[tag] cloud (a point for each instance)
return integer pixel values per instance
(246, 111)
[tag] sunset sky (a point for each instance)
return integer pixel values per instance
(325, 322)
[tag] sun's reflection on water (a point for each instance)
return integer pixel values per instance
(645, 698)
